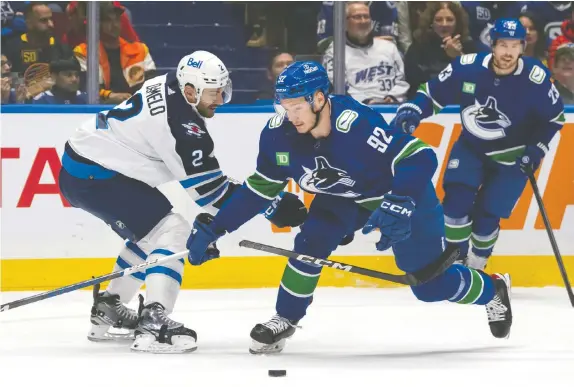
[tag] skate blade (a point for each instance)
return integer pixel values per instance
(258, 348)
(105, 333)
(147, 343)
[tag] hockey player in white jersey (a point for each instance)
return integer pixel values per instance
(111, 167)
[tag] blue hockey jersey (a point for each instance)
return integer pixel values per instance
(500, 115)
(361, 159)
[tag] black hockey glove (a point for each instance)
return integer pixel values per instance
(286, 210)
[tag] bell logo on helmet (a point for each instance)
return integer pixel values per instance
(308, 69)
(197, 64)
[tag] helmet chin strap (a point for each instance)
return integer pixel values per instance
(317, 114)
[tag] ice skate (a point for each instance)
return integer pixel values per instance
(498, 310)
(475, 262)
(157, 333)
(270, 337)
(108, 313)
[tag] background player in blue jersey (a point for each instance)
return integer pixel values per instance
(510, 111)
(364, 176)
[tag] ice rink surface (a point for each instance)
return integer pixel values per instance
(350, 337)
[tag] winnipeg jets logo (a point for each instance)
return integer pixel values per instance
(281, 78)
(193, 129)
(327, 180)
(485, 121)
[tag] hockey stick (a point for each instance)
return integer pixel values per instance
(557, 254)
(93, 281)
(420, 277)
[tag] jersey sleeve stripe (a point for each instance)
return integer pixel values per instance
(560, 119)
(210, 192)
(425, 89)
(210, 185)
(411, 148)
(212, 197)
(268, 178)
(371, 204)
(200, 178)
(506, 156)
(263, 187)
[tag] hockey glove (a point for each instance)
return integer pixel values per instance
(407, 119)
(201, 242)
(393, 219)
(286, 210)
(530, 160)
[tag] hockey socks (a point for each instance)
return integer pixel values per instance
(296, 290)
(474, 286)
(126, 287)
(458, 284)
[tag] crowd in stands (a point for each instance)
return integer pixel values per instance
(391, 47)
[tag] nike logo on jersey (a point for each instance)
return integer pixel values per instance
(193, 129)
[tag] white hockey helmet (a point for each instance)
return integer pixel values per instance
(207, 73)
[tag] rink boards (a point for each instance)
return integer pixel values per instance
(47, 244)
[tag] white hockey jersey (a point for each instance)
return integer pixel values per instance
(372, 72)
(156, 137)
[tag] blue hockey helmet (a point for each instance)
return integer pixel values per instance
(507, 29)
(301, 79)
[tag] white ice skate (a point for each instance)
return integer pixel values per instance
(157, 333)
(111, 319)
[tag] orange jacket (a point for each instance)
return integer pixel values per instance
(135, 60)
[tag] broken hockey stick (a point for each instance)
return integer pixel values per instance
(557, 254)
(70, 288)
(419, 277)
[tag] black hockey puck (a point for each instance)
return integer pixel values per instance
(276, 373)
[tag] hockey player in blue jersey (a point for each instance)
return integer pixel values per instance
(364, 176)
(510, 111)
(111, 168)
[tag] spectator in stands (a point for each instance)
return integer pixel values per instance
(77, 11)
(567, 37)
(37, 45)
(408, 15)
(124, 65)
(563, 73)
(13, 22)
(535, 41)
(66, 89)
(549, 13)
(481, 16)
(9, 93)
(281, 24)
(442, 35)
(374, 69)
(279, 61)
(383, 20)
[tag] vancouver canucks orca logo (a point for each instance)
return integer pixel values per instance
(327, 179)
(485, 121)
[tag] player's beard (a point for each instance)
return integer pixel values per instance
(205, 111)
(507, 64)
